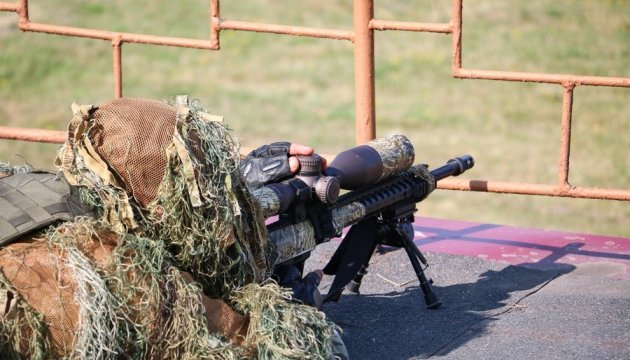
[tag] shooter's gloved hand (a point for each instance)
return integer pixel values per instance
(305, 289)
(272, 163)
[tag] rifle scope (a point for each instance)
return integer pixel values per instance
(351, 169)
(356, 167)
(368, 164)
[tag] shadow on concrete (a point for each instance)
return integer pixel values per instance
(391, 322)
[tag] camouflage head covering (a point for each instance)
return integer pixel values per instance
(170, 172)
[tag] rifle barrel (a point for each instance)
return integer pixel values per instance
(453, 167)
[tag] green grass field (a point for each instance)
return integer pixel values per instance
(272, 87)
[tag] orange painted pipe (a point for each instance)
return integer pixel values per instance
(35, 135)
(365, 123)
(534, 189)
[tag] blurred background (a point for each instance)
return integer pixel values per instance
(273, 87)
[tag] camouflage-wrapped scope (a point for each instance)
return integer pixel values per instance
(354, 168)
(369, 163)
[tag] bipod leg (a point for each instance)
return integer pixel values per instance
(352, 256)
(414, 254)
(354, 285)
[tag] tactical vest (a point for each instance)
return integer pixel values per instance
(31, 201)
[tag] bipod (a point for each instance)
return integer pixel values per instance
(405, 235)
(351, 260)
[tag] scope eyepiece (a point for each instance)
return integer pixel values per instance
(327, 189)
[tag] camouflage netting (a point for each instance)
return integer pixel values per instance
(173, 268)
(186, 188)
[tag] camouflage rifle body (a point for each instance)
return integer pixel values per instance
(393, 197)
(384, 190)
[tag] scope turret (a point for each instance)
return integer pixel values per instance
(325, 188)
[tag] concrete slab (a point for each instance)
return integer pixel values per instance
(537, 248)
(494, 307)
(573, 317)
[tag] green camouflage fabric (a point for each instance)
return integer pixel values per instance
(396, 151)
(197, 234)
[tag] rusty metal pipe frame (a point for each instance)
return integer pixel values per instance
(534, 189)
(21, 7)
(363, 38)
(111, 36)
(364, 88)
(283, 29)
(568, 82)
(34, 135)
(15, 7)
(217, 24)
(215, 19)
(117, 60)
(564, 154)
(562, 79)
(411, 26)
(364, 24)
(58, 137)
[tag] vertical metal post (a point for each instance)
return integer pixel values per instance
(215, 18)
(565, 136)
(365, 127)
(456, 24)
(23, 12)
(117, 50)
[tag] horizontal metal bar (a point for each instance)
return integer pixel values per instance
(58, 137)
(563, 79)
(9, 6)
(411, 26)
(36, 135)
(110, 35)
(534, 189)
(285, 30)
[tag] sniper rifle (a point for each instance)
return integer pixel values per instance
(384, 189)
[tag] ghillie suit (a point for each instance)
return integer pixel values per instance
(172, 265)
